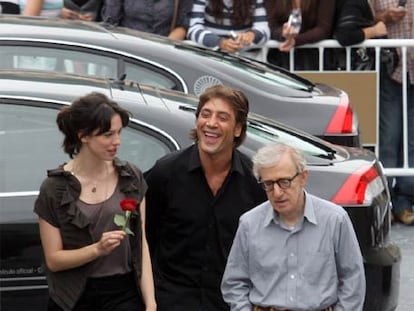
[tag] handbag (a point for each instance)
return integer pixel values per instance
(363, 59)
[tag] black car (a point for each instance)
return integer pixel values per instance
(30, 144)
(93, 49)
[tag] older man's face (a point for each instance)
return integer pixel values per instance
(288, 201)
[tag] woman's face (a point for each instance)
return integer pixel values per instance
(105, 146)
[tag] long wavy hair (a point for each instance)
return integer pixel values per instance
(242, 11)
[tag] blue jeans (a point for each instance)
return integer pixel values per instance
(391, 139)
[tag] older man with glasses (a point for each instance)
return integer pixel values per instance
(295, 251)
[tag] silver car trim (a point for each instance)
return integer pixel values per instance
(29, 278)
(156, 129)
(19, 194)
(16, 288)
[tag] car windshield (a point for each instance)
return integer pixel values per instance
(261, 133)
(259, 70)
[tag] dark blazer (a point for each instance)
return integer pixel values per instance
(7, 7)
(351, 17)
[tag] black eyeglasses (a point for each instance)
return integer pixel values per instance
(283, 183)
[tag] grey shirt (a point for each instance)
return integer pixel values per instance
(154, 16)
(312, 266)
(101, 218)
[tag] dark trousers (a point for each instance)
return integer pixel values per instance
(390, 138)
(113, 293)
(257, 308)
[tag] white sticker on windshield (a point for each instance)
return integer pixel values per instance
(204, 82)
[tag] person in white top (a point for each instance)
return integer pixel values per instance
(49, 8)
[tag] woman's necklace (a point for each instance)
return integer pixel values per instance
(95, 181)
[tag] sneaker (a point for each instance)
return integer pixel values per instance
(406, 217)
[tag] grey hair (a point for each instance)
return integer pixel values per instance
(270, 155)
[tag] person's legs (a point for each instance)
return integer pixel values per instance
(391, 144)
(390, 125)
(113, 293)
(404, 187)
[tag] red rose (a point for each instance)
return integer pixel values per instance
(128, 204)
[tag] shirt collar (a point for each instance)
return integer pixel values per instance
(195, 162)
(309, 213)
(309, 210)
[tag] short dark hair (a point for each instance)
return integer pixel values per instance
(87, 114)
(235, 98)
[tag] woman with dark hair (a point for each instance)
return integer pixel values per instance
(229, 25)
(91, 264)
(316, 25)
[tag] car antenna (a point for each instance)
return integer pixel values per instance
(120, 81)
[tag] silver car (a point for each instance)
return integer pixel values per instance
(92, 49)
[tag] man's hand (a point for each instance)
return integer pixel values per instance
(394, 14)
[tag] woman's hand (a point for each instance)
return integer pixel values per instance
(69, 14)
(109, 241)
(287, 45)
(289, 31)
(230, 45)
(246, 38)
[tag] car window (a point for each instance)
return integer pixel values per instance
(57, 60)
(151, 76)
(141, 148)
(30, 144)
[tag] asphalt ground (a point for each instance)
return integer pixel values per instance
(403, 236)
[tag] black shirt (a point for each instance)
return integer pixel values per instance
(190, 231)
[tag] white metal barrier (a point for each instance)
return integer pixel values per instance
(404, 44)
